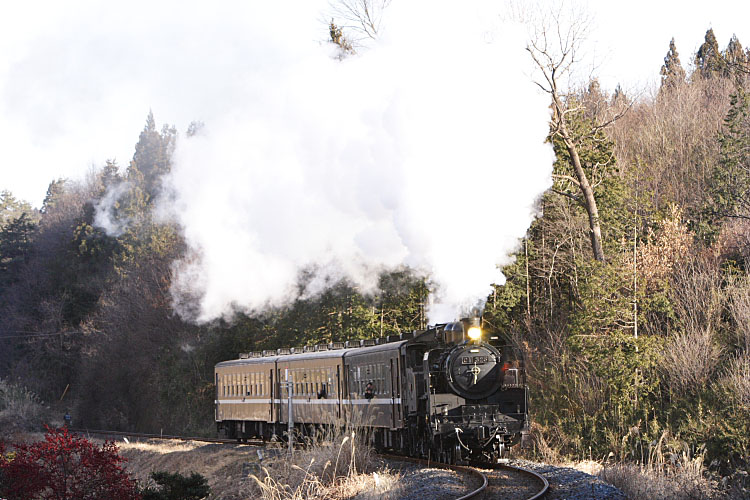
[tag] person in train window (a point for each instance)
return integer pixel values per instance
(322, 393)
(369, 391)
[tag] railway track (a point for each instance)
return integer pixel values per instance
(499, 481)
(510, 482)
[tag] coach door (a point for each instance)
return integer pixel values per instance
(339, 394)
(395, 400)
(271, 389)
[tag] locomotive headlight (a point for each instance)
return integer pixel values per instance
(474, 333)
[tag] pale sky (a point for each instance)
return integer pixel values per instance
(77, 78)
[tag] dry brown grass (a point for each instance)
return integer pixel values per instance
(20, 409)
(739, 308)
(690, 360)
(333, 465)
(674, 474)
(236, 472)
(336, 463)
(736, 380)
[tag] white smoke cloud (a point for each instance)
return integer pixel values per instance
(427, 149)
(105, 215)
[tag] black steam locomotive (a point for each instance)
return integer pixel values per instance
(446, 392)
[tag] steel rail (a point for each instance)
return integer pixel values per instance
(535, 475)
(461, 468)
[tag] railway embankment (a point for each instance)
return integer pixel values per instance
(233, 472)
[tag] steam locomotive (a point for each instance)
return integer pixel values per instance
(446, 392)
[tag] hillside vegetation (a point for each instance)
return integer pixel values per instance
(645, 343)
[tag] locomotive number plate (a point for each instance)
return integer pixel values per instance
(470, 360)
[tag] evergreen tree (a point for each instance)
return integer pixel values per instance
(152, 158)
(708, 60)
(736, 60)
(619, 98)
(15, 247)
(728, 184)
(11, 208)
(55, 191)
(194, 128)
(110, 174)
(672, 73)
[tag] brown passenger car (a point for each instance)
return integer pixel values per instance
(328, 386)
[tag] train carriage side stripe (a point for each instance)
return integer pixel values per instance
(375, 401)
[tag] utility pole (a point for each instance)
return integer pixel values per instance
(528, 287)
(635, 269)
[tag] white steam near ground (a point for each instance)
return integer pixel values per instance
(426, 149)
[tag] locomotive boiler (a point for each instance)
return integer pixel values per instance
(451, 392)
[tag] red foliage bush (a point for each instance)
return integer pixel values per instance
(64, 467)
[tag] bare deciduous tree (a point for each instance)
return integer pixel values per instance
(554, 48)
(690, 360)
(362, 19)
(696, 293)
(672, 146)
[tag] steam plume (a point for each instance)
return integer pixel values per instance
(427, 149)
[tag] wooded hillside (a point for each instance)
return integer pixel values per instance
(648, 338)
